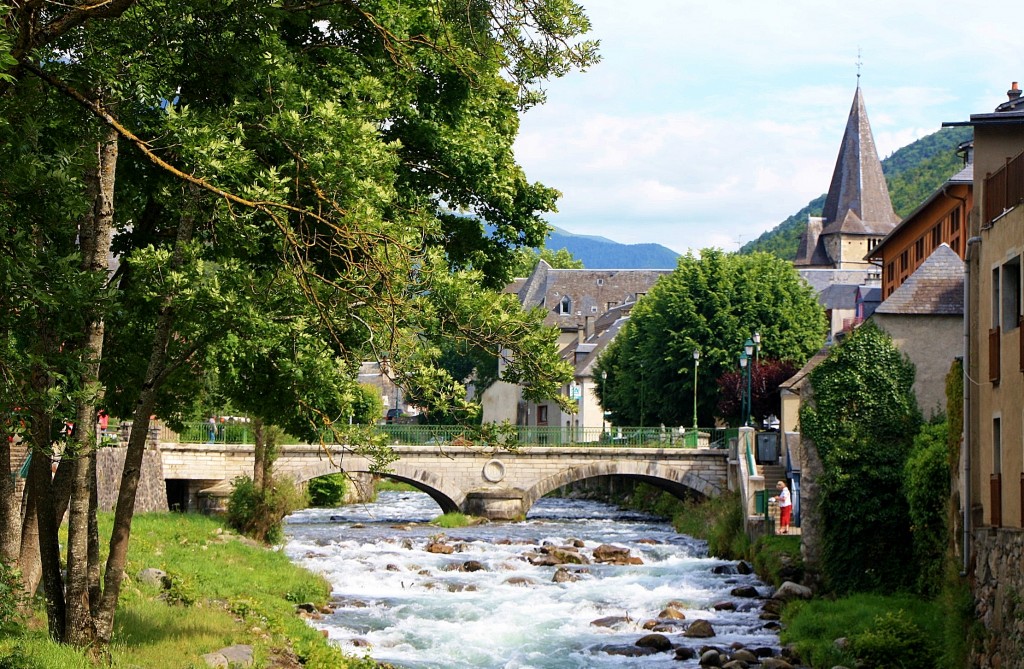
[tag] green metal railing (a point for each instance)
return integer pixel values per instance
(645, 437)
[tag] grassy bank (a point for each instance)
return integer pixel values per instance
(879, 630)
(224, 590)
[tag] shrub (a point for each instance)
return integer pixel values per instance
(179, 590)
(894, 641)
(327, 491)
(927, 488)
(258, 513)
(12, 597)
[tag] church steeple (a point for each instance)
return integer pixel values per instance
(858, 186)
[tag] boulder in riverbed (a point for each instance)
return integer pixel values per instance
(659, 642)
(699, 629)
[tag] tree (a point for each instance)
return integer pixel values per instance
(712, 303)
(862, 418)
(560, 259)
(310, 151)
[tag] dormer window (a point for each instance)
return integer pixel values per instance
(565, 306)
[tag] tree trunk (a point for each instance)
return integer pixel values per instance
(95, 234)
(259, 454)
(144, 406)
(10, 509)
(41, 478)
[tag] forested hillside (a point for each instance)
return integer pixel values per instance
(913, 173)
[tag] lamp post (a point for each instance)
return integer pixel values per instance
(696, 363)
(743, 395)
(757, 346)
(749, 347)
(641, 394)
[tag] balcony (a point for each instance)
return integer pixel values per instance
(1004, 188)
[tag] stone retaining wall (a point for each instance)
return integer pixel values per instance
(999, 597)
(152, 493)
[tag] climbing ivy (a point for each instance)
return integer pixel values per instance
(863, 417)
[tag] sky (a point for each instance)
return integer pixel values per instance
(708, 123)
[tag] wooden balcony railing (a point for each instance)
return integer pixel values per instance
(993, 355)
(1020, 341)
(1004, 188)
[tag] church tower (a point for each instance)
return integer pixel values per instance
(858, 210)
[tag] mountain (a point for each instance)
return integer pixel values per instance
(602, 253)
(912, 173)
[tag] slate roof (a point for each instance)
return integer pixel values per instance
(858, 186)
(821, 278)
(839, 296)
(936, 288)
(590, 291)
(858, 202)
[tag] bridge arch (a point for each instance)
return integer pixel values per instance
(674, 480)
(448, 496)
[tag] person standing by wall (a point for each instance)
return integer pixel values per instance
(785, 503)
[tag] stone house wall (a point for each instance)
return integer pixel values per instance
(999, 597)
(152, 493)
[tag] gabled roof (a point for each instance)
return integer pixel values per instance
(798, 380)
(936, 288)
(589, 293)
(964, 177)
(858, 185)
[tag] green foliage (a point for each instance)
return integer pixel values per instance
(179, 590)
(927, 487)
(893, 642)
(327, 491)
(713, 303)
(813, 626)
(258, 514)
(453, 519)
(12, 598)
(560, 259)
(777, 559)
(913, 173)
(368, 405)
(728, 538)
(862, 418)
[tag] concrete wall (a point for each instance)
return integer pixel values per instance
(931, 343)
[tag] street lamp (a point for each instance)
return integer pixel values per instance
(745, 397)
(641, 394)
(696, 363)
(749, 347)
(757, 345)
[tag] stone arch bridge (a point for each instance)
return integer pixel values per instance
(497, 485)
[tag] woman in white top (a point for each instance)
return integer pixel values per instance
(785, 507)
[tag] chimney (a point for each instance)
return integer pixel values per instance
(581, 334)
(588, 326)
(1014, 91)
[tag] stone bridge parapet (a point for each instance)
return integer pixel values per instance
(499, 485)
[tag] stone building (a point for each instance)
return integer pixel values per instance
(992, 471)
(925, 318)
(938, 220)
(858, 210)
(588, 306)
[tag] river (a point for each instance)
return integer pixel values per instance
(417, 609)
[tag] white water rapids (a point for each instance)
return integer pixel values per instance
(415, 609)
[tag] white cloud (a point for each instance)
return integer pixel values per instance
(711, 123)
